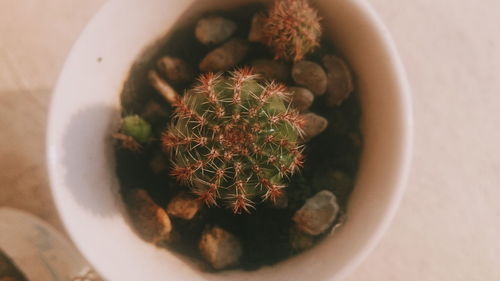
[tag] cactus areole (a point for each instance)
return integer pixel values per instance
(292, 29)
(233, 140)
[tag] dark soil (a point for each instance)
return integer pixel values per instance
(331, 163)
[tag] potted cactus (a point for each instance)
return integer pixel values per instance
(240, 141)
(234, 139)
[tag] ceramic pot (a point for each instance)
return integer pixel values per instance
(85, 111)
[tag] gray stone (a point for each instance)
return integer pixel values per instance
(317, 214)
(340, 83)
(220, 248)
(257, 30)
(334, 180)
(183, 206)
(165, 90)
(226, 56)
(175, 69)
(314, 125)
(310, 75)
(299, 240)
(302, 98)
(271, 69)
(214, 30)
(150, 220)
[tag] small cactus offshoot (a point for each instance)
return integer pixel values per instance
(234, 139)
(292, 29)
(134, 132)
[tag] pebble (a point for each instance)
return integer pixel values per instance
(226, 56)
(175, 69)
(149, 219)
(317, 214)
(310, 75)
(220, 248)
(340, 83)
(334, 180)
(314, 125)
(214, 30)
(183, 206)
(168, 93)
(257, 30)
(302, 98)
(271, 69)
(299, 240)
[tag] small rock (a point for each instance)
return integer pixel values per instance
(168, 93)
(317, 214)
(302, 98)
(183, 206)
(340, 83)
(310, 75)
(220, 248)
(225, 56)
(257, 30)
(299, 240)
(271, 69)
(214, 30)
(175, 69)
(149, 219)
(334, 180)
(314, 125)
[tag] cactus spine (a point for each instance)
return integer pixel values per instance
(234, 139)
(292, 29)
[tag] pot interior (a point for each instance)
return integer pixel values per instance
(85, 110)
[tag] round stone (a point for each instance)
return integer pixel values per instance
(220, 248)
(310, 75)
(340, 83)
(175, 70)
(183, 206)
(271, 69)
(302, 98)
(224, 57)
(214, 30)
(314, 125)
(149, 219)
(317, 214)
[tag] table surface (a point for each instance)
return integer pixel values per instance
(448, 225)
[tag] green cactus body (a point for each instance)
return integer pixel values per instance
(134, 132)
(292, 29)
(137, 128)
(233, 139)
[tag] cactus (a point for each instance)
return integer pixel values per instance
(233, 139)
(292, 29)
(134, 132)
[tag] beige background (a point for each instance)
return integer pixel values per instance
(448, 226)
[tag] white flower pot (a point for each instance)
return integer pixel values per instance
(85, 110)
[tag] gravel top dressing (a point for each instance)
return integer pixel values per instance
(240, 140)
